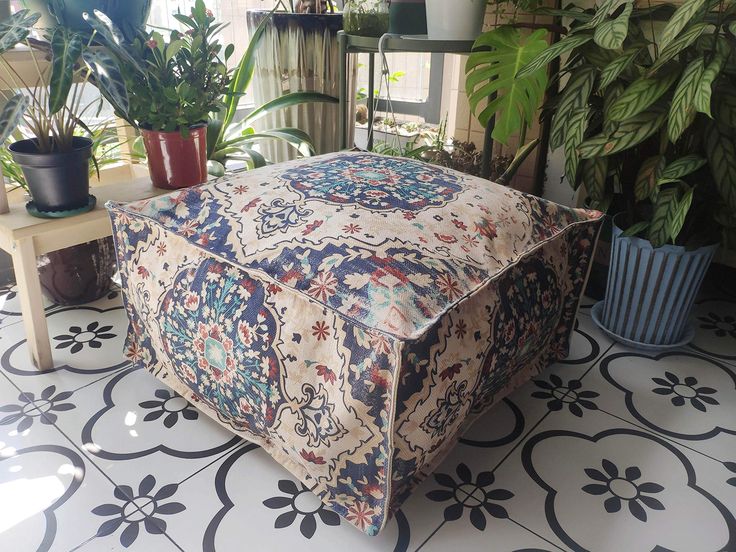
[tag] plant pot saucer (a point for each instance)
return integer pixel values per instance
(36, 212)
(596, 314)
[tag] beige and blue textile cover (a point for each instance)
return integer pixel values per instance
(351, 313)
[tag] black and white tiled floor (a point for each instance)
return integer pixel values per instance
(611, 450)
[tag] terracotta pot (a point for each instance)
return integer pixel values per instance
(78, 274)
(175, 161)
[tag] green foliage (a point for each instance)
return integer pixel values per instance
(228, 139)
(66, 47)
(172, 83)
(11, 115)
(647, 114)
(491, 71)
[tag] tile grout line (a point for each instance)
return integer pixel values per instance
(660, 435)
(86, 455)
(519, 442)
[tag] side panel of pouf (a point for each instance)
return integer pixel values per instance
(266, 362)
(483, 348)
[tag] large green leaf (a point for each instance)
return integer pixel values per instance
(614, 69)
(66, 47)
(601, 13)
(112, 37)
(678, 219)
(108, 79)
(683, 41)
(681, 109)
(682, 167)
(493, 71)
(628, 134)
(720, 147)
(578, 123)
(16, 28)
(611, 34)
(11, 115)
(647, 177)
(573, 97)
(705, 85)
(725, 106)
(595, 175)
(679, 19)
(665, 211)
(292, 136)
(288, 100)
(555, 50)
(640, 95)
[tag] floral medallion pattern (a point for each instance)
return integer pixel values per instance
(377, 183)
(624, 488)
(299, 305)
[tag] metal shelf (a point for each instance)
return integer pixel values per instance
(354, 44)
(364, 44)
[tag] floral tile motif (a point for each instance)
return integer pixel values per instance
(629, 482)
(611, 449)
(677, 394)
(47, 487)
(247, 493)
(86, 344)
(133, 422)
(715, 329)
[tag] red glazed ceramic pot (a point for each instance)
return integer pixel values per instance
(175, 161)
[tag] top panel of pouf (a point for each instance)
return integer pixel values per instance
(390, 243)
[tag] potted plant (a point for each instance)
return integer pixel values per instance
(54, 160)
(173, 85)
(648, 113)
(455, 20)
(231, 140)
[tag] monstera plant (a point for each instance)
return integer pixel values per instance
(646, 117)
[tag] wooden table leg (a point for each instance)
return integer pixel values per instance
(31, 303)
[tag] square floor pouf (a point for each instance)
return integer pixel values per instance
(351, 313)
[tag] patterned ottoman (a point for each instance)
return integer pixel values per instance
(350, 313)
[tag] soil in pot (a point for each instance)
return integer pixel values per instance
(56, 181)
(79, 274)
(176, 161)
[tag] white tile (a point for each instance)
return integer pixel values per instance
(682, 395)
(86, 342)
(715, 329)
(48, 489)
(132, 425)
(225, 505)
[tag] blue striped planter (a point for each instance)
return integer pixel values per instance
(651, 292)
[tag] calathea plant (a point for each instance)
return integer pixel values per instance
(646, 111)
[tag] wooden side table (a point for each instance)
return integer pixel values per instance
(25, 237)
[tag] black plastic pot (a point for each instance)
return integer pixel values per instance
(56, 181)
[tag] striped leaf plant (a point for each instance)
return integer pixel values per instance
(644, 110)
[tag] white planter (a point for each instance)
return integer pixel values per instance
(455, 19)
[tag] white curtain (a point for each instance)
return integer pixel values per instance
(299, 54)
